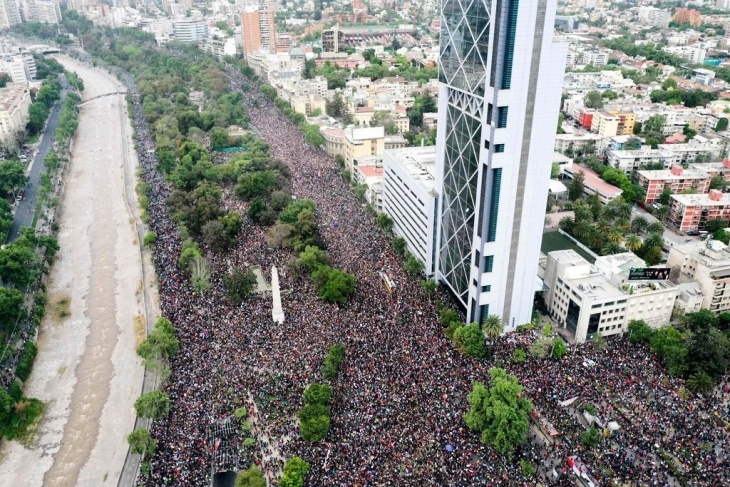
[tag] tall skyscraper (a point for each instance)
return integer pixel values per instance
(500, 83)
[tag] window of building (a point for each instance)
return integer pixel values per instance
(502, 117)
(489, 263)
(499, 148)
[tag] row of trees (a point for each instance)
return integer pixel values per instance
(68, 120)
(609, 229)
(696, 349)
(22, 261)
(39, 110)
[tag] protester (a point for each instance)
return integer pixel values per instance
(402, 388)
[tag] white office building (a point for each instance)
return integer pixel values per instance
(410, 198)
(500, 81)
(598, 299)
(190, 30)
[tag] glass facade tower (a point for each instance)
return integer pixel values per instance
(500, 77)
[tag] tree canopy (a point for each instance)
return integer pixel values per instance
(499, 413)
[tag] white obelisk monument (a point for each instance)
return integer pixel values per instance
(277, 312)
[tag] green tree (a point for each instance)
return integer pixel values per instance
(669, 84)
(219, 138)
(318, 394)
(312, 258)
(413, 265)
(153, 404)
(576, 186)
(385, 222)
(540, 347)
(700, 382)
(239, 284)
(721, 125)
(715, 225)
(251, 477)
(310, 68)
(640, 332)
(217, 236)
(429, 285)
(500, 414)
(18, 264)
(160, 345)
(200, 274)
(12, 177)
(141, 442)
(334, 285)
(312, 134)
(592, 437)
(384, 119)
(668, 343)
(655, 124)
(665, 196)
(399, 245)
(469, 340)
(332, 361)
(492, 326)
(11, 308)
(294, 473)
(37, 115)
(717, 182)
(559, 348)
(594, 100)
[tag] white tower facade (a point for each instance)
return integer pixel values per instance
(500, 84)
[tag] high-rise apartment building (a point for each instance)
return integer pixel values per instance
(9, 14)
(499, 93)
(258, 27)
(46, 11)
(251, 31)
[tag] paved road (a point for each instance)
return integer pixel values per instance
(26, 209)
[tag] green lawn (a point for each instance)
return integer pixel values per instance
(552, 241)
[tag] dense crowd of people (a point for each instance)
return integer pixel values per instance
(402, 388)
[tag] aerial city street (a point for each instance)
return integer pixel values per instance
(364, 243)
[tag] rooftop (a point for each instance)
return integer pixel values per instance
(668, 174)
(11, 95)
(702, 199)
(417, 162)
(593, 181)
(367, 133)
(568, 257)
(371, 171)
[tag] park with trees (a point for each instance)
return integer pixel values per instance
(294, 226)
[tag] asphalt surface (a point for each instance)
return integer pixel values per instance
(26, 209)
